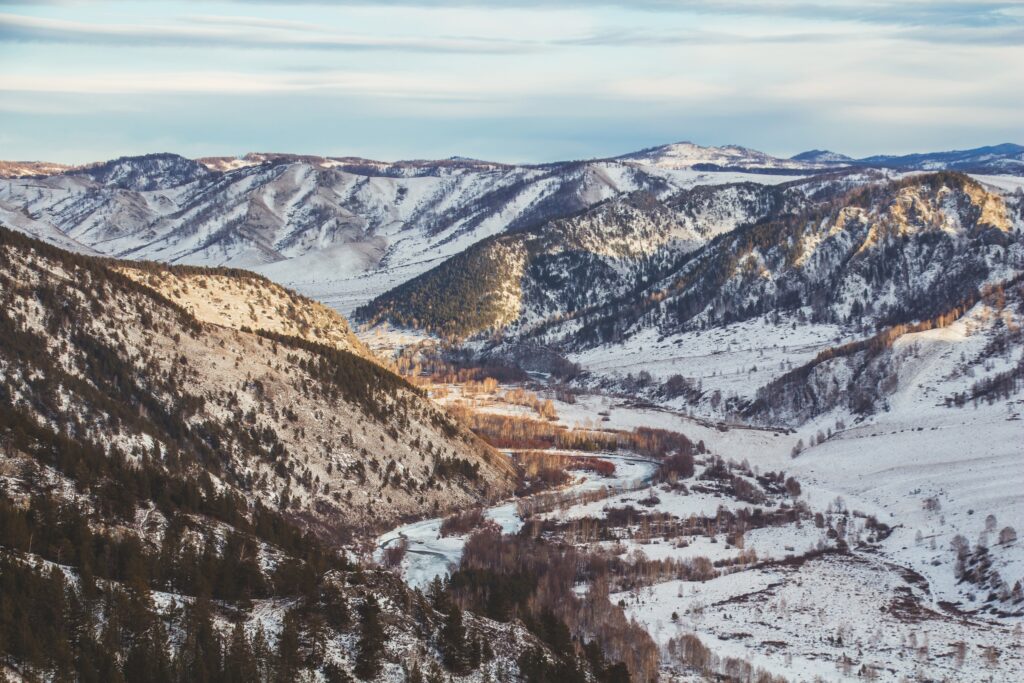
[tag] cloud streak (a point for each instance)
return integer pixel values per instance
(889, 12)
(266, 35)
(258, 33)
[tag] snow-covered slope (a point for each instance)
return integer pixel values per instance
(17, 219)
(881, 254)
(565, 266)
(343, 229)
(264, 391)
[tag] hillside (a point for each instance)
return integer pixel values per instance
(561, 269)
(877, 255)
(182, 499)
(303, 426)
(239, 300)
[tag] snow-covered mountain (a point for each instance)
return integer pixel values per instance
(686, 155)
(346, 229)
(514, 282)
(1004, 158)
(814, 266)
(822, 156)
(329, 224)
(814, 313)
(808, 381)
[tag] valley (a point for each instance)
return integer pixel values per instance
(853, 577)
(684, 414)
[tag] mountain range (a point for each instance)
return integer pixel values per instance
(347, 229)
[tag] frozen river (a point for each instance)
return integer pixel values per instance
(429, 555)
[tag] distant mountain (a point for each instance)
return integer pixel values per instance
(822, 156)
(149, 172)
(347, 229)
(686, 155)
(1004, 158)
(29, 169)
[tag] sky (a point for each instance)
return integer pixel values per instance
(507, 80)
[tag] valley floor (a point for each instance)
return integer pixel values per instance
(866, 584)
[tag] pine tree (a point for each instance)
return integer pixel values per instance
(239, 662)
(199, 659)
(335, 607)
(453, 642)
(370, 647)
(261, 654)
(288, 659)
(314, 639)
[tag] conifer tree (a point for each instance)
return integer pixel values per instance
(199, 659)
(239, 661)
(453, 642)
(261, 654)
(288, 658)
(370, 647)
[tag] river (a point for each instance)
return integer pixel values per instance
(429, 555)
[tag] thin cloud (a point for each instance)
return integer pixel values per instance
(271, 36)
(905, 13)
(890, 12)
(216, 31)
(237, 83)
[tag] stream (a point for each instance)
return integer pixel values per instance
(429, 556)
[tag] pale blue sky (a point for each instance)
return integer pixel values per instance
(511, 80)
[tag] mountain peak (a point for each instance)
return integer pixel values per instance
(688, 155)
(159, 171)
(821, 156)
